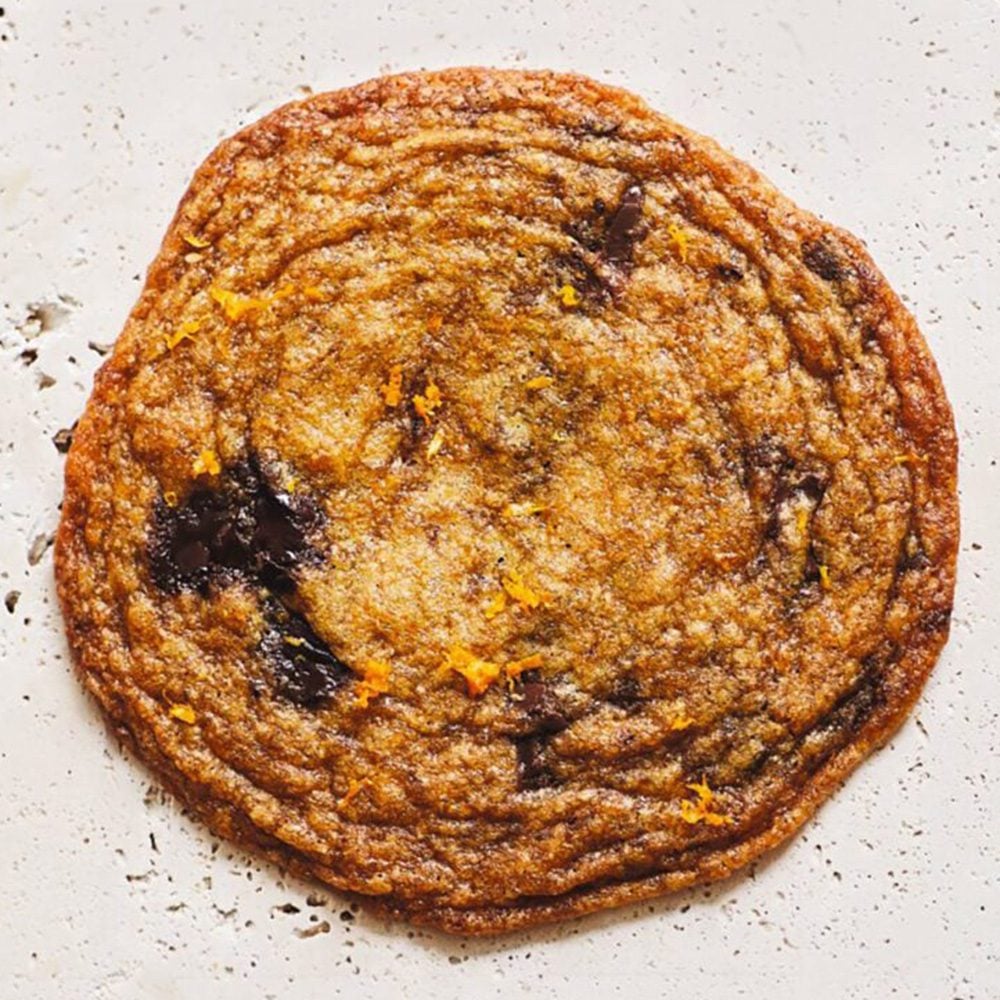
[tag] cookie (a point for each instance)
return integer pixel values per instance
(503, 504)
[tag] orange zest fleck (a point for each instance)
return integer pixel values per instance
(539, 382)
(435, 323)
(680, 239)
(523, 509)
(435, 443)
(479, 674)
(313, 293)
(374, 681)
(802, 520)
(294, 640)
(183, 713)
(824, 576)
(683, 721)
(183, 332)
(496, 605)
(427, 403)
(235, 306)
(698, 810)
(291, 484)
(197, 242)
(517, 667)
(392, 387)
(353, 787)
(569, 296)
(207, 463)
(170, 498)
(519, 591)
(910, 458)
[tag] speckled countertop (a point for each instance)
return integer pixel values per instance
(882, 116)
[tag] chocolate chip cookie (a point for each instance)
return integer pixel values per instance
(504, 504)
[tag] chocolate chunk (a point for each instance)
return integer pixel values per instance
(608, 239)
(624, 229)
(855, 706)
(811, 574)
(626, 694)
(242, 528)
(729, 272)
(593, 128)
(812, 485)
(766, 454)
(822, 260)
(788, 483)
(306, 672)
(540, 704)
(583, 276)
(532, 771)
(911, 555)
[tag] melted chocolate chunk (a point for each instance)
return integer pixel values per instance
(609, 239)
(855, 706)
(821, 260)
(592, 128)
(583, 276)
(911, 555)
(729, 272)
(624, 228)
(546, 717)
(811, 574)
(811, 485)
(532, 771)
(542, 706)
(305, 670)
(765, 455)
(243, 528)
(626, 694)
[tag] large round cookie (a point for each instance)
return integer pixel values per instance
(503, 503)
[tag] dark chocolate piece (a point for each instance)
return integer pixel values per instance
(822, 260)
(729, 272)
(305, 670)
(242, 527)
(624, 229)
(532, 771)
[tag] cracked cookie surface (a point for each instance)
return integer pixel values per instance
(503, 503)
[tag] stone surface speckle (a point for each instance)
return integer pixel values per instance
(885, 118)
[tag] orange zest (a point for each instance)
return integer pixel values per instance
(236, 306)
(496, 606)
(392, 387)
(428, 402)
(519, 591)
(374, 681)
(698, 809)
(207, 463)
(435, 443)
(183, 332)
(523, 509)
(479, 674)
(680, 239)
(353, 787)
(517, 667)
(183, 713)
(569, 296)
